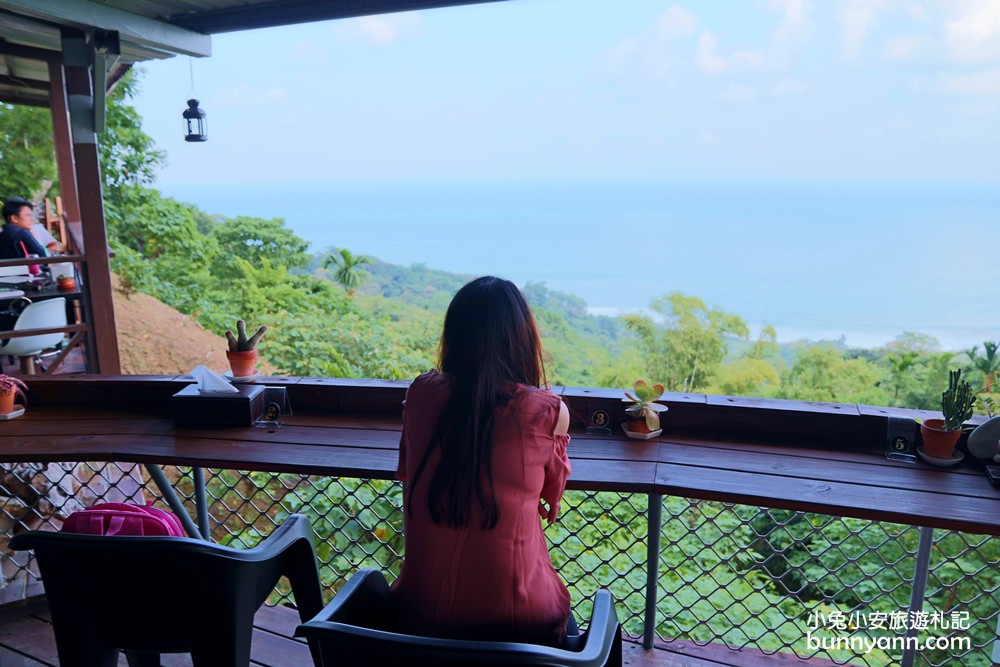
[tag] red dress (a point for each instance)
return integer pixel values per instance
(496, 584)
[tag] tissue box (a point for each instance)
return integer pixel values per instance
(241, 409)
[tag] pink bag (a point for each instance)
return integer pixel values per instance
(124, 519)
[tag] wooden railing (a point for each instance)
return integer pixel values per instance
(827, 459)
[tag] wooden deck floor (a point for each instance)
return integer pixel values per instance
(26, 640)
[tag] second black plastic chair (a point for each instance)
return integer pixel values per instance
(358, 623)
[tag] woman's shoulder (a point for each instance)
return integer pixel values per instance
(538, 393)
(430, 382)
(537, 411)
(425, 397)
(535, 398)
(427, 376)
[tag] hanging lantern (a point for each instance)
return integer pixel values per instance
(194, 119)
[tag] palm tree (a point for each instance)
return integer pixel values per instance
(346, 269)
(989, 365)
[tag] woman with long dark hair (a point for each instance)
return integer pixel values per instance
(484, 453)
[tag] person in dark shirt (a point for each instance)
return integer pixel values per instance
(16, 239)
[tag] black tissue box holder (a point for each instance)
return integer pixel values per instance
(193, 408)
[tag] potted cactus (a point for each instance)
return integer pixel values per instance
(66, 283)
(644, 410)
(242, 353)
(10, 388)
(941, 435)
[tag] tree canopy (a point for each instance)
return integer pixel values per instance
(27, 155)
(256, 240)
(686, 348)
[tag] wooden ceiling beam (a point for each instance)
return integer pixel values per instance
(24, 83)
(20, 100)
(29, 52)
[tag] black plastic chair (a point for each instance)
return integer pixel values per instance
(153, 595)
(358, 622)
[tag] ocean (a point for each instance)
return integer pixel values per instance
(862, 262)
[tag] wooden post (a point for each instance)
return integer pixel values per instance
(98, 304)
(65, 164)
(66, 168)
(61, 223)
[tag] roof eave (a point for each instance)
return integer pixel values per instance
(286, 12)
(157, 36)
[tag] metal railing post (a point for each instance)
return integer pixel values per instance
(996, 644)
(201, 502)
(169, 495)
(921, 568)
(654, 522)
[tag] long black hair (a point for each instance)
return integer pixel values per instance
(490, 341)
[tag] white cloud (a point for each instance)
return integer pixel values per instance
(918, 13)
(625, 49)
(383, 29)
(653, 50)
(246, 96)
(857, 18)
(904, 47)
(633, 56)
(649, 52)
(713, 63)
(973, 31)
(789, 87)
(981, 83)
(793, 30)
(676, 22)
(708, 60)
(307, 51)
(738, 94)
(746, 60)
(794, 27)
(378, 29)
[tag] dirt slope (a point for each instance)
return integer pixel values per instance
(155, 339)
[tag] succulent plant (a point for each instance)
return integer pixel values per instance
(9, 382)
(957, 401)
(240, 342)
(644, 405)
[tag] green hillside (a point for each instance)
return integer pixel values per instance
(336, 314)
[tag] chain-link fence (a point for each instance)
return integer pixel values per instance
(831, 589)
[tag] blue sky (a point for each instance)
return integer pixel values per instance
(875, 90)
(606, 95)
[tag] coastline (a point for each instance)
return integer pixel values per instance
(816, 260)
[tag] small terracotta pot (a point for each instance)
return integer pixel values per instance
(7, 401)
(242, 363)
(66, 284)
(938, 442)
(638, 426)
